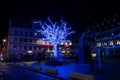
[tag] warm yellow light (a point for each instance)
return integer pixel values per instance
(118, 42)
(94, 55)
(99, 44)
(30, 52)
(111, 42)
(4, 40)
(63, 51)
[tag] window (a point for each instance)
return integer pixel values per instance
(34, 47)
(25, 47)
(15, 47)
(35, 41)
(111, 43)
(15, 32)
(99, 44)
(26, 33)
(21, 33)
(20, 47)
(104, 43)
(25, 40)
(30, 47)
(20, 39)
(31, 34)
(118, 42)
(15, 39)
(39, 47)
(30, 40)
(35, 34)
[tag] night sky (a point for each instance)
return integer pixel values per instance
(78, 13)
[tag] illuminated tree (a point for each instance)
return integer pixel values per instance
(54, 32)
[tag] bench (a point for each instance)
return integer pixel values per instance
(78, 76)
(52, 71)
(37, 68)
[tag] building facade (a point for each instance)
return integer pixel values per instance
(26, 40)
(108, 42)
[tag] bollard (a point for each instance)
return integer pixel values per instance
(1, 76)
(1, 73)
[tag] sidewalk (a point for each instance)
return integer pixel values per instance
(65, 70)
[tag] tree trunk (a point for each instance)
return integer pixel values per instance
(99, 58)
(55, 50)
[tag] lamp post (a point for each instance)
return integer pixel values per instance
(4, 40)
(4, 48)
(4, 44)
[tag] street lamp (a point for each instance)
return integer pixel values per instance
(4, 40)
(4, 48)
(4, 43)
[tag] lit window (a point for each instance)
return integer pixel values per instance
(111, 42)
(63, 51)
(104, 43)
(70, 43)
(35, 34)
(93, 55)
(98, 44)
(66, 43)
(61, 43)
(118, 42)
(68, 52)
